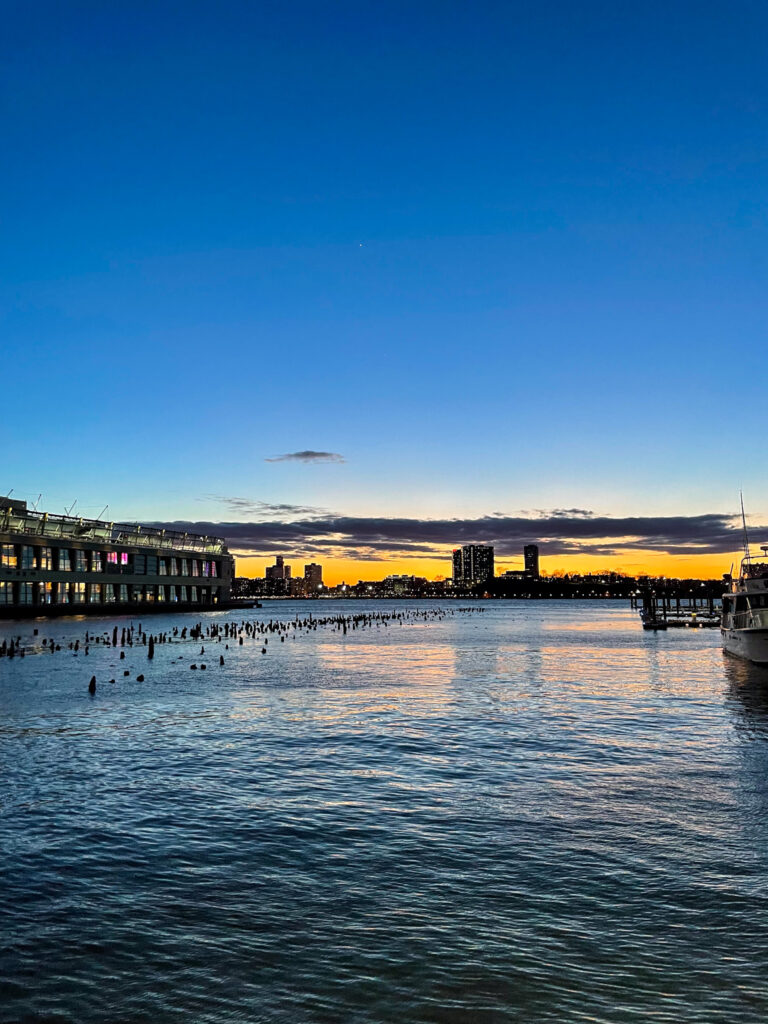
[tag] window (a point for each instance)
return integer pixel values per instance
(161, 593)
(123, 592)
(27, 557)
(111, 558)
(173, 593)
(65, 565)
(184, 594)
(137, 593)
(44, 593)
(163, 567)
(8, 557)
(6, 593)
(195, 567)
(81, 562)
(140, 565)
(25, 593)
(94, 593)
(62, 593)
(174, 567)
(206, 568)
(109, 593)
(78, 593)
(123, 558)
(193, 594)
(96, 562)
(45, 558)
(185, 567)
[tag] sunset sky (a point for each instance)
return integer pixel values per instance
(356, 283)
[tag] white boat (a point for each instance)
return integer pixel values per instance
(744, 624)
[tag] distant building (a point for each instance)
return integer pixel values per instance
(51, 564)
(313, 577)
(472, 565)
(531, 554)
(278, 571)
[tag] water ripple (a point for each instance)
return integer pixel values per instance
(539, 813)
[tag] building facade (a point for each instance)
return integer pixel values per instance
(51, 564)
(531, 556)
(473, 564)
(313, 577)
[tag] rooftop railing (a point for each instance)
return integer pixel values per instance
(54, 527)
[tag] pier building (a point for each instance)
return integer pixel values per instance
(57, 564)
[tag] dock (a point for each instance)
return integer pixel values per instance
(660, 610)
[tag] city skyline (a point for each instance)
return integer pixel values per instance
(567, 541)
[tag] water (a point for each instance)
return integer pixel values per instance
(537, 813)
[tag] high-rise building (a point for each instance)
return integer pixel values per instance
(458, 568)
(531, 555)
(472, 564)
(278, 571)
(313, 577)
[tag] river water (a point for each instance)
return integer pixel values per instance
(533, 813)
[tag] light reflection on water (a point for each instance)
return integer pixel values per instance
(538, 813)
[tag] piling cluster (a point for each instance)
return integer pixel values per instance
(253, 631)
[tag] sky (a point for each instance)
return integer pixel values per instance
(355, 283)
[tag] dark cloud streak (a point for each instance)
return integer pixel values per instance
(571, 532)
(308, 456)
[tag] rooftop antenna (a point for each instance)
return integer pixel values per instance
(102, 512)
(34, 507)
(8, 494)
(68, 511)
(747, 556)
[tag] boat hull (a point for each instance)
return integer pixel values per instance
(751, 644)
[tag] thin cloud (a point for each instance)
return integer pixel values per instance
(308, 456)
(265, 509)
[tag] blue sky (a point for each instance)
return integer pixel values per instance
(500, 257)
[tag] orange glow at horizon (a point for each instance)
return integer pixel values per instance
(628, 561)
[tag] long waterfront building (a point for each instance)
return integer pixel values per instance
(52, 564)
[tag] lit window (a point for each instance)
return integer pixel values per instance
(8, 556)
(6, 593)
(96, 563)
(65, 564)
(81, 562)
(45, 558)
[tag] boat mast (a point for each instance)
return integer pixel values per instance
(747, 556)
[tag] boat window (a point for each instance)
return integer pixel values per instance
(741, 604)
